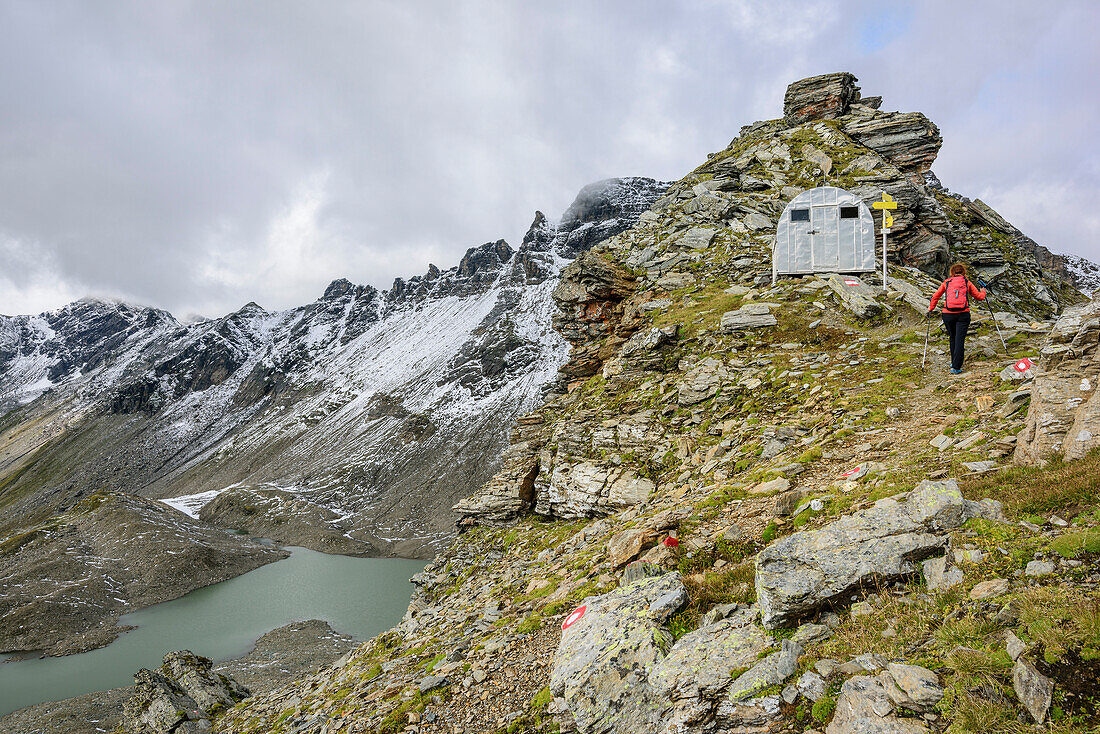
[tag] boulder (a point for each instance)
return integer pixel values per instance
(1039, 568)
(786, 503)
(822, 97)
(911, 686)
(701, 661)
(771, 671)
(697, 238)
(865, 707)
(989, 589)
(610, 651)
(749, 316)
(181, 697)
(855, 295)
(1064, 416)
(938, 575)
(624, 546)
(811, 685)
(800, 573)
(1033, 689)
(636, 570)
(701, 382)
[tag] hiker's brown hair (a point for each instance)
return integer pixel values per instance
(958, 269)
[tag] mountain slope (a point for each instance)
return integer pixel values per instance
(615, 573)
(365, 414)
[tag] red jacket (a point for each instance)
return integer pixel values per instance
(972, 290)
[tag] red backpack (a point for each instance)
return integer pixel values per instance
(957, 295)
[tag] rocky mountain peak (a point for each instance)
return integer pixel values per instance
(338, 288)
(822, 97)
(487, 259)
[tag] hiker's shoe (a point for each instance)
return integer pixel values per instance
(955, 371)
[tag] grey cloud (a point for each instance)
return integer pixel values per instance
(198, 155)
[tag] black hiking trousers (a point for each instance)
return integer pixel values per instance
(957, 325)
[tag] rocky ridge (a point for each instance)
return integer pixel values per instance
(349, 425)
(350, 410)
(628, 567)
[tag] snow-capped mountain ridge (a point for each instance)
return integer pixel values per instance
(376, 409)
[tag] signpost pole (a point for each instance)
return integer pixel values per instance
(887, 222)
(885, 229)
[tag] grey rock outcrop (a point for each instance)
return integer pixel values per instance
(181, 697)
(702, 382)
(611, 650)
(1064, 416)
(771, 671)
(822, 97)
(856, 296)
(617, 670)
(865, 707)
(1034, 689)
(911, 686)
(800, 573)
(701, 661)
(749, 316)
(909, 140)
(586, 488)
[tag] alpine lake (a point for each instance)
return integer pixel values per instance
(360, 597)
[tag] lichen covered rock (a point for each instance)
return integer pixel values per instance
(611, 649)
(181, 697)
(800, 573)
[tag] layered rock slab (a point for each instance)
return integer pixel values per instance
(1064, 416)
(799, 574)
(609, 652)
(181, 697)
(826, 96)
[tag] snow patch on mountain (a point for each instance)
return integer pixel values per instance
(1085, 273)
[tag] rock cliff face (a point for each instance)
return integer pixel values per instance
(1063, 418)
(749, 507)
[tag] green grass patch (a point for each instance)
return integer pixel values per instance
(1028, 490)
(1072, 545)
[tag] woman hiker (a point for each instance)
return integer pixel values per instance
(956, 311)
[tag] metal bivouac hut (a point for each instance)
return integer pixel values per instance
(824, 230)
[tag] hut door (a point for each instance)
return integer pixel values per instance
(824, 231)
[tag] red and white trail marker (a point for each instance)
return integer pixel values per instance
(1024, 365)
(851, 281)
(850, 472)
(572, 618)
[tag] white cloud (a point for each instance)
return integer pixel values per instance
(200, 156)
(29, 280)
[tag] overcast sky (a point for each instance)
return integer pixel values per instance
(199, 155)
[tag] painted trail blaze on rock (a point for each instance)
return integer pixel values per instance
(624, 630)
(574, 617)
(1024, 365)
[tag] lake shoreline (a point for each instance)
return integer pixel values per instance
(277, 657)
(356, 597)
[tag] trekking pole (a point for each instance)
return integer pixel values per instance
(927, 326)
(990, 309)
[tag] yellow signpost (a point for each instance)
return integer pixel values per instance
(887, 222)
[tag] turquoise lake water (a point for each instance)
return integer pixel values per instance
(360, 597)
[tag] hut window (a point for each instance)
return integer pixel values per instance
(800, 215)
(849, 212)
